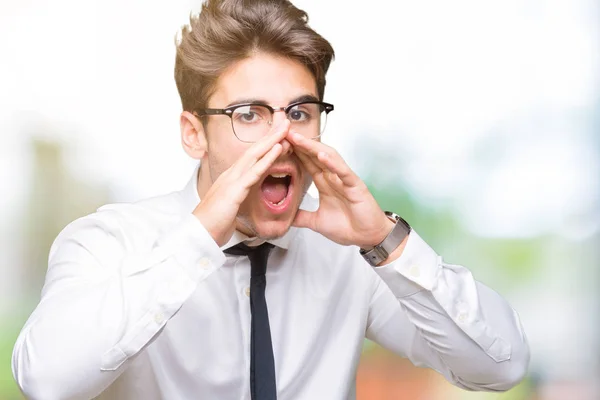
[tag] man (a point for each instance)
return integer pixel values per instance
(241, 286)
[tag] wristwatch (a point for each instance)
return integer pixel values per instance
(379, 253)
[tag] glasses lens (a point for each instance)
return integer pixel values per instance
(250, 123)
(308, 119)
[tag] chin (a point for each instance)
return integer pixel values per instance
(263, 224)
(272, 229)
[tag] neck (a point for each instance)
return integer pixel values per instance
(204, 182)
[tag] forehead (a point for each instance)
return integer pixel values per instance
(272, 79)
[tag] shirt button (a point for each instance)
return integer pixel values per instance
(462, 317)
(159, 317)
(414, 271)
(204, 263)
(247, 291)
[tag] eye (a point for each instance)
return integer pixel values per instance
(250, 114)
(248, 117)
(299, 114)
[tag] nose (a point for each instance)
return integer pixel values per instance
(277, 117)
(287, 148)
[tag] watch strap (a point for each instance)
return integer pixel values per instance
(380, 253)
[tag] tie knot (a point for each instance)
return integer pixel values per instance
(258, 255)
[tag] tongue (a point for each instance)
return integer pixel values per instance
(274, 189)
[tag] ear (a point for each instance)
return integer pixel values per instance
(193, 137)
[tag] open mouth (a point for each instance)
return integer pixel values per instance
(276, 187)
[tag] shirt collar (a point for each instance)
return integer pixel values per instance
(191, 198)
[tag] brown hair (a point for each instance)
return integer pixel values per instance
(227, 31)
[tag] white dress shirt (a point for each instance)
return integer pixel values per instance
(140, 303)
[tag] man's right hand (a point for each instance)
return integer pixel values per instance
(218, 208)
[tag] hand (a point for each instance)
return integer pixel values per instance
(348, 214)
(219, 207)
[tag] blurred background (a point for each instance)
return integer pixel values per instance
(478, 121)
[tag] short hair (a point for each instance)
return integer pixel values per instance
(227, 31)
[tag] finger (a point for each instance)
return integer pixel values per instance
(338, 166)
(287, 146)
(309, 164)
(261, 147)
(305, 219)
(276, 134)
(309, 147)
(300, 151)
(255, 173)
(326, 157)
(304, 144)
(320, 173)
(320, 178)
(334, 179)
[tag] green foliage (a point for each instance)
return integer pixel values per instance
(8, 335)
(503, 260)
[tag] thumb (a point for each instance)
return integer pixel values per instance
(305, 219)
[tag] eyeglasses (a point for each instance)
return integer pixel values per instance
(250, 121)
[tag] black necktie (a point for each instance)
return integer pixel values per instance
(262, 363)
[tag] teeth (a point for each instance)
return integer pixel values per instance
(280, 175)
(280, 203)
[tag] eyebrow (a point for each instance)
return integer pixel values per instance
(304, 97)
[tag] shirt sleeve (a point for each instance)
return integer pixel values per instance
(103, 301)
(440, 317)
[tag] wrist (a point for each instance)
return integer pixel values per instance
(212, 226)
(392, 244)
(377, 239)
(394, 255)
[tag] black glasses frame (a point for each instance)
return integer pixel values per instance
(231, 109)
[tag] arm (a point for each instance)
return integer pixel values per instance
(432, 312)
(104, 301)
(438, 316)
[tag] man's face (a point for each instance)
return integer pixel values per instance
(277, 82)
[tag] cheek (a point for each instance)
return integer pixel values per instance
(224, 150)
(221, 138)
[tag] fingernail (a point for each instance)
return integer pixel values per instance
(286, 146)
(297, 136)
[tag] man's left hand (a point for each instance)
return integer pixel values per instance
(348, 213)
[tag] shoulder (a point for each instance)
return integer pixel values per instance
(124, 224)
(144, 212)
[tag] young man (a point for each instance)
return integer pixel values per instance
(158, 299)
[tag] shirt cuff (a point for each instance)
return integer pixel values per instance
(416, 269)
(193, 248)
(189, 244)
